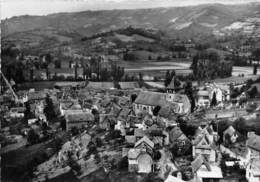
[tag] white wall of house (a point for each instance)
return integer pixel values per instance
(250, 174)
(140, 108)
(203, 102)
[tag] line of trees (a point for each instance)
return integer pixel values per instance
(208, 65)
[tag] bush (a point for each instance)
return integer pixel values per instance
(123, 163)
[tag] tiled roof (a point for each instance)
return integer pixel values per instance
(100, 85)
(230, 131)
(146, 140)
(139, 132)
(124, 114)
(151, 98)
(167, 111)
(129, 85)
(175, 133)
(36, 95)
(198, 162)
(82, 116)
(254, 142)
(171, 85)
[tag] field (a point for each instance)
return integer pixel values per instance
(152, 68)
(181, 67)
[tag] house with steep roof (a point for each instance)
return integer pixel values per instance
(204, 171)
(140, 157)
(204, 143)
(145, 144)
(139, 161)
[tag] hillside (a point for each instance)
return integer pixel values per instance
(176, 20)
(67, 31)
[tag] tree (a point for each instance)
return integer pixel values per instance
(48, 58)
(57, 63)
(117, 72)
(256, 54)
(31, 74)
(96, 115)
(214, 99)
(76, 71)
(188, 90)
(253, 92)
(74, 131)
(167, 79)
(177, 83)
(255, 69)
(133, 97)
(27, 113)
(49, 109)
(209, 65)
(33, 137)
(140, 80)
(156, 110)
(123, 163)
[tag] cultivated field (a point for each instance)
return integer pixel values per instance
(181, 67)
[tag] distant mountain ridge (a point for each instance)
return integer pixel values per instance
(176, 21)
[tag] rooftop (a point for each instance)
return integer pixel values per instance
(254, 142)
(79, 116)
(151, 98)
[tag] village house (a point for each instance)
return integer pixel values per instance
(37, 97)
(205, 94)
(37, 102)
(17, 112)
(140, 157)
(178, 140)
(78, 120)
(203, 99)
(205, 143)
(69, 106)
(171, 178)
(106, 121)
(147, 101)
(157, 136)
(253, 144)
(253, 167)
(253, 171)
(205, 171)
(230, 135)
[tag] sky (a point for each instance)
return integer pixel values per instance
(10, 8)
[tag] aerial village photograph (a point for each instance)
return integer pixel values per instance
(130, 91)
